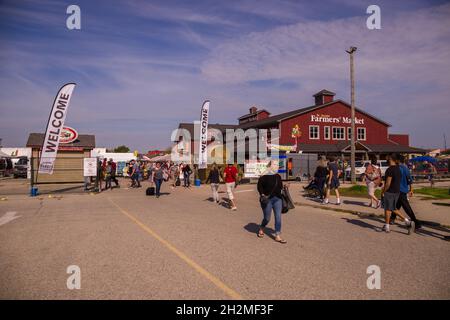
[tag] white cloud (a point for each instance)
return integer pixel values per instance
(315, 50)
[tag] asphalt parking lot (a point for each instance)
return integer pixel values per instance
(182, 246)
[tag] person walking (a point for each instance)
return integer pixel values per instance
(174, 175)
(320, 176)
(390, 194)
(181, 173)
(406, 189)
(187, 175)
(135, 174)
(372, 176)
(230, 177)
(431, 171)
(113, 173)
(333, 181)
(158, 178)
(269, 189)
(99, 176)
(214, 178)
(130, 174)
(108, 169)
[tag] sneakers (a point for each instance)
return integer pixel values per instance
(386, 228)
(233, 208)
(411, 226)
(338, 202)
(325, 201)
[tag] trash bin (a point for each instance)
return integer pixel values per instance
(197, 182)
(34, 191)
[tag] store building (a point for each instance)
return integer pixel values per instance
(325, 129)
(69, 160)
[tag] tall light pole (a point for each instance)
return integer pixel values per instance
(351, 51)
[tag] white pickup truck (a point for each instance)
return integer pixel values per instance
(360, 168)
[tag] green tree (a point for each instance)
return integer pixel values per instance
(122, 149)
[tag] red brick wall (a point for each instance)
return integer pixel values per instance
(376, 132)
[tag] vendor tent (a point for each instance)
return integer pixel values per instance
(424, 158)
(163, 158)
(4, 155)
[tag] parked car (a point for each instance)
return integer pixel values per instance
(442, 167)
(21, 168)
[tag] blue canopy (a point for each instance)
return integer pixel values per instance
(423, 158)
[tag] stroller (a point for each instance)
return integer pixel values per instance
(312, 190)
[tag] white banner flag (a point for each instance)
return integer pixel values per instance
(54, 127)
(203, 142)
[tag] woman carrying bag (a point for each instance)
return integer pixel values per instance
(372, 175)
(269, 188)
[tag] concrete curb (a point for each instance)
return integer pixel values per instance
(359, 213)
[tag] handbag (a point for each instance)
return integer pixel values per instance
(287, 202)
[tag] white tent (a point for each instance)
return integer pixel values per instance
(163, 158)
(4, 155)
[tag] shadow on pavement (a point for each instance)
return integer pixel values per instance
(421, 231)
(359, 223)
(253, 228)
(356, 203)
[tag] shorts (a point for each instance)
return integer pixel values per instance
(230, 188)
(371, 188)
(334, 183)
(390, 201)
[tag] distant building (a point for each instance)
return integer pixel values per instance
(325, 129)
(69, 160)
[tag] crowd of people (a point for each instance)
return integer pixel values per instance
(396, 187)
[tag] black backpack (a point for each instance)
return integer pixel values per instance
(150, 191)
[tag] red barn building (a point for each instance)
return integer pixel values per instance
(326, 129)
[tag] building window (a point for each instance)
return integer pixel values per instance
(361, 133)
(338, 133)
(326, 133)
(349, 133)
(314, 132)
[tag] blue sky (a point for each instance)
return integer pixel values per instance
(141, 67)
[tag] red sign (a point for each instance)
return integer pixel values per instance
(62, 148)
(68, 135)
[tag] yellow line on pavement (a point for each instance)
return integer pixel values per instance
(216, 281)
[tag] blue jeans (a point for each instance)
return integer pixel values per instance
(276, 205)
(158, 183)
(187, 181)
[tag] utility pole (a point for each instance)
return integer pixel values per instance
(352, 141)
